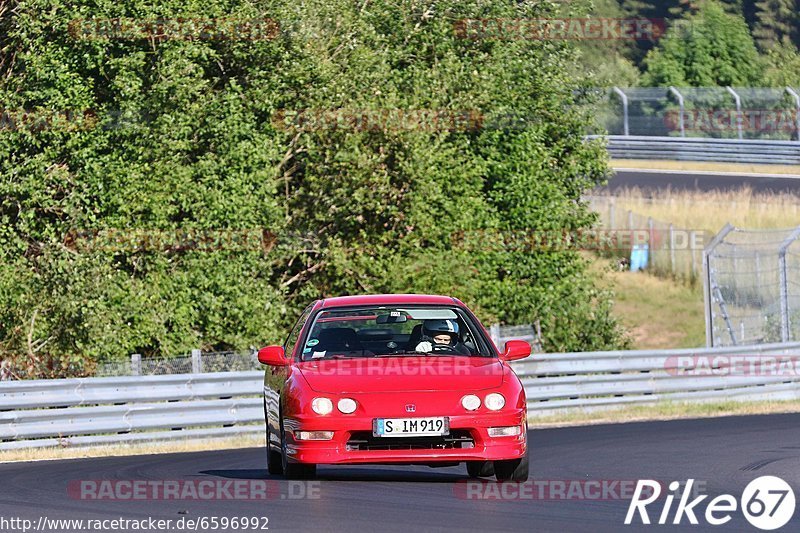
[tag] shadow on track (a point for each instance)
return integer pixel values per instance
(365, 473)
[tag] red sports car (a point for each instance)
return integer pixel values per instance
(394, 379)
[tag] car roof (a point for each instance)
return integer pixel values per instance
(388, 299)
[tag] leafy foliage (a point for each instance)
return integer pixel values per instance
(778, 23)
(714, 49)
(190, 135)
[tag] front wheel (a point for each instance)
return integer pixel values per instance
(512, 469)
(274, 462)
(477, 469)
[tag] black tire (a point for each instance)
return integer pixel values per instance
(274, 462)
(480, 469)
(511, 470)
(274, 465)
(294, 470)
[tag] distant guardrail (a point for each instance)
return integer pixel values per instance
(704, 149)
(74, 412)
(556, 382)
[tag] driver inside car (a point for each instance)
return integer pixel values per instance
(441, 335)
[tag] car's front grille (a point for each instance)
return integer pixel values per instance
(365, 441)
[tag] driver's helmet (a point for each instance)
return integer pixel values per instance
(435, 327)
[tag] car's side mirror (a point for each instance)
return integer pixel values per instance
(272, 355)
(516, 350)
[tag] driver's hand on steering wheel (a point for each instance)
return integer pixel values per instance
(424, 347)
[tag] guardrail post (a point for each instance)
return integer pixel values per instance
(738, 111)
(197, 362)
(681, 123)
(624, 98)
(707, 281)
(136, 364)
(796, 97)
(784, 284)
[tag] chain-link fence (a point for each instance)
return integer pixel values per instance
(710, 112)
(642, 242)
(197, 362)
(752, 287)
(200, 362)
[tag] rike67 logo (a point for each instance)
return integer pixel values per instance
(767, 503)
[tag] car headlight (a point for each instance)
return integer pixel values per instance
(470, 402)
(346, 405)
(494, 401)
(322, 406)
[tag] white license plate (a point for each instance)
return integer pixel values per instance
(411, 427)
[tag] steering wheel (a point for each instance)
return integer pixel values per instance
(444, 348)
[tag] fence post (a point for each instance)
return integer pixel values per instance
(738, 111)
(796, 97)
(672, 248)
(707, 281)
(612, 214)
(681, 123)
(692, 241)
(630, 220)
(784, 284)
(136, 364)
(624, 98)
(494, 333)
(197, 362)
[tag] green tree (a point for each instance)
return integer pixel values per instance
(777, 23)
(712, 48)
(196, 135)
(783, 66)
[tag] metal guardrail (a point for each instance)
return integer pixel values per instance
(64, 412)
(72, 412)
(601, 380)
(704, 149)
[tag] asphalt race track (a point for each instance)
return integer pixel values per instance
(724, 454)
(702, 181)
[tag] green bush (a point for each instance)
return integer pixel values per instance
(194, 135)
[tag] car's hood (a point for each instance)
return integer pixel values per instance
(393, 374)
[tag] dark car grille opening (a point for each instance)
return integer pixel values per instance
(364, 441)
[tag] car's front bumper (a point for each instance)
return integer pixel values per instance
(344, 448)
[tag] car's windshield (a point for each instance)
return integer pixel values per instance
(378, 331)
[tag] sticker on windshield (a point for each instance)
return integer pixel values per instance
(312, 342)
(317, 355)
(306, 350)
